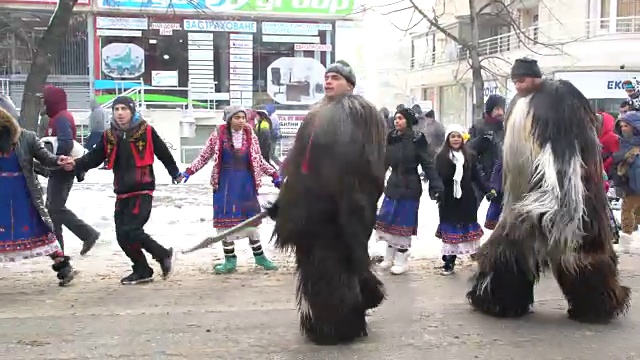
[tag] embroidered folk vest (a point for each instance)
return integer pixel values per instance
(140, 142)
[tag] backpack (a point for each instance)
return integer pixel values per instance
(275, 127)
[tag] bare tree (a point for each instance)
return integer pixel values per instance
(45, 50)
(471, 50)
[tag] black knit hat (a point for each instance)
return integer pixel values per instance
(126, 101)
(494, 101)
(343, 69)
(525, 67)
(409, 115)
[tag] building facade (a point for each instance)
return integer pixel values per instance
(586, 42)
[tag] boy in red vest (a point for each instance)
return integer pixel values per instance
(63, 127)
(129, 147)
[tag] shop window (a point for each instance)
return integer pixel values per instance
(21, 30)
(291, 75)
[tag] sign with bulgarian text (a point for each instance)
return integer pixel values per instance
(300, 7)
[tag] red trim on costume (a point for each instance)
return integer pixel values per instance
(135, 193)
(147, 158)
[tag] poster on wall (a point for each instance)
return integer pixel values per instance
(241, 84)
(123, 60)
(296, 81)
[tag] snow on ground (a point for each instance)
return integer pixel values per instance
(182, 217)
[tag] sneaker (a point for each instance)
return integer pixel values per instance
(167, 264)
(135, 278)
(446, 272)
(89, 244)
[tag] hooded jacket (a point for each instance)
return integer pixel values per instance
(97, 119)
(61, 122)
(626, 165)
(608, 140)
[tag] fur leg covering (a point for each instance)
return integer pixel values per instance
(333, 299)
(590, 285)
(503, 285)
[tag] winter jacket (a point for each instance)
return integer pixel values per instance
(97, 119)
(405, 151)
(485, 142)
(626, 162)
(132, 171)
(61, 122)
(30, 152)
(608, 140)
(464, 209)
(275, 122)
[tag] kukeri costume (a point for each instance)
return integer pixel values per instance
(554, 210)
(326, 211)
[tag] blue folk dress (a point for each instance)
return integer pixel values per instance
(236, 198)
(23, 232)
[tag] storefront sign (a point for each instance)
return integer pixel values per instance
(290, 123)
(291, 39)
(164, 78)
(166, 28)
(123, 33)
(219, 25)
(241, 71)
(313, 47)
(245, 44)
(282, 28)
(240, 51)
(598, 84)
(301, 7)
(122, 23)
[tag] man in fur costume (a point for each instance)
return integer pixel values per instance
(554, 208)
(327, 209)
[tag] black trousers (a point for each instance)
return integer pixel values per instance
(131, 215)
(58, 189)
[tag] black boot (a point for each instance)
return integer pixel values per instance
(138, 276)
(65, 271)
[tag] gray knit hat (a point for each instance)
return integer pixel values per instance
(229, 111)
(343, 69)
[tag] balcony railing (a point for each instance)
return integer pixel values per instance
(544, 34)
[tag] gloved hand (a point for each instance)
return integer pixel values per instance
(491, 195)
(437, 196)
(272, 209)
(177, 179)
(185, 176)
(277, 182)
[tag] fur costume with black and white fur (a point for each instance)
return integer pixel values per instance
(326, 211)
(554, 213)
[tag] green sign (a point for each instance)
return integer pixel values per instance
(317, 7)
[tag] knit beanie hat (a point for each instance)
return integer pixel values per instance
(343, 69)
(126, 101)
(232, 110)
(409, 115)
(494, 101)
(525, 67)
(454, 128)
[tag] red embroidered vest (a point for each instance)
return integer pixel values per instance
(140, 142)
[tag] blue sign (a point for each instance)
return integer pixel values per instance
(180, 5)
(615, 85)
(220, 25)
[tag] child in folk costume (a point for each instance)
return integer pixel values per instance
(26, 230)
(398, 216)
(458, 229)
(494, 197)
(236, 177)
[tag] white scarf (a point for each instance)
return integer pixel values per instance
(458, 159)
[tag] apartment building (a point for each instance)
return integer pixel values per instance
(588, 42)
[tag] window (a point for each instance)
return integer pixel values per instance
(452, 105)
(420, 52)
(628, 8)
(16, 46)
(291, 73)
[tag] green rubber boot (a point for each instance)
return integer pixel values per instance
(265, 263)
(228, 266)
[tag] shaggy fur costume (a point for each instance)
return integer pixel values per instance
(554, 213)
(326, 211)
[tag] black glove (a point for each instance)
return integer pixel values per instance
(177, 179)
(437, 196)
(272, 209)
(491, 195)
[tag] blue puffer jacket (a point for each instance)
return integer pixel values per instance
(629, 181)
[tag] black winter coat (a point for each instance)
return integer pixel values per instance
(405, 151)
(486, 143)
(465, 209)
